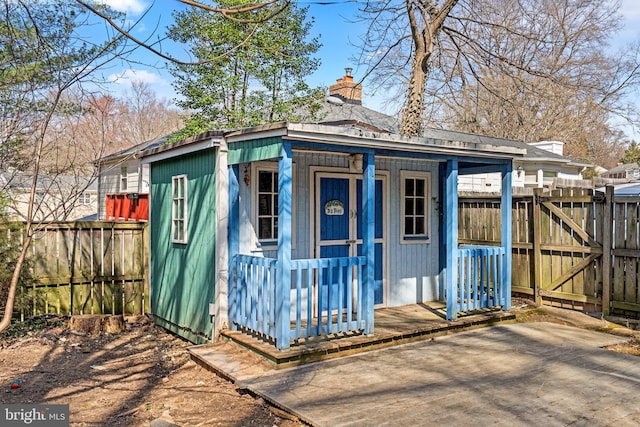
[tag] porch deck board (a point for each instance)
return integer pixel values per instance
(393, 326)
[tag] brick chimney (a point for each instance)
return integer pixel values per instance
(346, 89)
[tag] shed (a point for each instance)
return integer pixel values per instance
(296, 230)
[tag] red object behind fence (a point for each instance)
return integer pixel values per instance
(127, 207)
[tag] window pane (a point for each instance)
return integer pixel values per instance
(408, 207)
(420, 207)
(420, 187)
(420, 225)
(275, 227)
(264, 204)
(264, 228)
(177, 230)
(265, 183)
(408, 226)
(409, 187)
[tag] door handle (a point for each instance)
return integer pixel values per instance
(348, 242)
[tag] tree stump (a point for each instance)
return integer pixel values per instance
(87, 324)
(114, 324)
(95, 325)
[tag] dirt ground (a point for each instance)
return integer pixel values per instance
(144, 374)
(126, 379)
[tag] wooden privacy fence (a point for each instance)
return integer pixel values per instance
(87, 268)
(571, 247)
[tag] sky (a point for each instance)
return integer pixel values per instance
(333, 25)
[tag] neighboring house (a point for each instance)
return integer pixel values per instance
(541, 165)
(273, 229)
(628, 189)
(123, 184)
(628, 172)
(57, 198)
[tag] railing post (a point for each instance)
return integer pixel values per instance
(537, 242)
(607, 232)
(283, 270)
(451, 237)
(368, 237)
(506, 236)
(234, 241)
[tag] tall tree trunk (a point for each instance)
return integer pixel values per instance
(37, 161)
(424, 41)
(8, 310)
(412, 114)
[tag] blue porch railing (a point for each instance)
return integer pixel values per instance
(480, 278)
(326, 296)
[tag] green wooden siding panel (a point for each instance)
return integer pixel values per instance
(253, 151)
(183, 275)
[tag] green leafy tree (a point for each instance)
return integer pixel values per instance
(246, 74)
(632, 153)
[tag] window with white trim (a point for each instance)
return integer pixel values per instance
(267, 206)
(124, 184)
(84, 199)
(415, 206)
(179, 211)
(264, 187)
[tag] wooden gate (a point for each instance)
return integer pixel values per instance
(567, 253)
(576, 248)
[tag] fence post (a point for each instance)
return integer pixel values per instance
(607, 232)
(537, 251)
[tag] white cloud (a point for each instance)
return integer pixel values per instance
(156, 82)
(134, 7)
(630, 9)
(129, 75)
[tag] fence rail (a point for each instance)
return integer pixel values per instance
(86, 268)
(480, 281)
(325, 296)
(572, 247)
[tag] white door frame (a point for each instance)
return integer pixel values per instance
(316, 173)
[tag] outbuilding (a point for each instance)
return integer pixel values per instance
(296, 230)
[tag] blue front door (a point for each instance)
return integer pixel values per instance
(339, 232)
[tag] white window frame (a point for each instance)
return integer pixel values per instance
(269, 244)
(178, 181)
(415, 238)
(84, 199)
(124, 179)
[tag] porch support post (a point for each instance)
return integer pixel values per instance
(234, 241)
(283, 270)
(506, 236)
(451, 237)
(368, 237)
(221, 314)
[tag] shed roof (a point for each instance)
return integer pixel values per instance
(135, 149)
(336, 112)
(623, 168)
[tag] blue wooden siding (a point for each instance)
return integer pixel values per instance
(412, 269)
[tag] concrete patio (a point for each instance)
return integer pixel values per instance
(508, 374)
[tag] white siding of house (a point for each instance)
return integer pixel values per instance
(109, 181)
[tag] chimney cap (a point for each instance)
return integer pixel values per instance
(348, 71)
